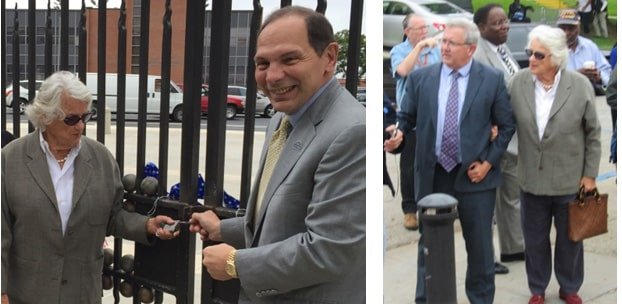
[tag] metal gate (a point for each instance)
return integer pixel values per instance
(166, 267)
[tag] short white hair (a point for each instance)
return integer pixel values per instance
(46, 107)
(470, 29)
(553, 39)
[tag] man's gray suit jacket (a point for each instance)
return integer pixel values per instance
(308, 245)
(36, 256)
(485, 103)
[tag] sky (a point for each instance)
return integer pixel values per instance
(337, 11)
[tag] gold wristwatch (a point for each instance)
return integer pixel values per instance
(230, 266)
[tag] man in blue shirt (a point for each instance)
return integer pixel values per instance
(584, 55)
(416, 51)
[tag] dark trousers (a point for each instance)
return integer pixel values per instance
(475, 210)
(537, 213)
(407, 174)
(586, 20)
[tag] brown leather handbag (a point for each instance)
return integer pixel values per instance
(587, 215)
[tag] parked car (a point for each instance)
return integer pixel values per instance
(263, 106)
(435, 13)
(234, 103)
(361, 95)
(154, 87)
(517, 41)
(23, 94)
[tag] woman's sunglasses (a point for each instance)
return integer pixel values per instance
(537, 55)
(72, 120)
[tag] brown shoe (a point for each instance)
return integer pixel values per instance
(410, 221)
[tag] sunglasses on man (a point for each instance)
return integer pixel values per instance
(72, 120)
(537, 55)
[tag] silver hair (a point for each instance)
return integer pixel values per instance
(470, 29)
(46, 107)
(552, 38)
(408, 18)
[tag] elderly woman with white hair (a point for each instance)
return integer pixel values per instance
(61, 195)
(558, 152)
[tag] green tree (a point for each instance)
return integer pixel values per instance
(342, 40)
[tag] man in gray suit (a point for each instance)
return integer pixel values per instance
(303, 237)
(452, 104)
(492, 51)
(61, 195)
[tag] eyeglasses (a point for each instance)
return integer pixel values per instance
(500, 22)
(537, 55)
(452, 43)
(72, 120)
(420, 28)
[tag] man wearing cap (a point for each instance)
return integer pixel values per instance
(584, 55)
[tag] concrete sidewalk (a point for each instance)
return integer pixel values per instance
(600, 285)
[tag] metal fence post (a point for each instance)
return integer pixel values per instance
(437, 213)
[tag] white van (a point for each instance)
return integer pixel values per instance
(154, 85)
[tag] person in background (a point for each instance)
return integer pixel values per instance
(7, 137)
(303, 237)
(518, 12)
(492, 51)
(452, 104)
(558, 152)
(585, 9)
(388, 118)
(600, 18)
(584, 56)
(63, 197)
(612, 101)
(415, 52)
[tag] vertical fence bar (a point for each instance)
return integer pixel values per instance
(354, 44)
(32, 66)
(145, 9)
(191, 124)
(218, 81)
(120, 132)
(82, 44)
(251, 98)
(285, 3)
(165, 96)
(64, 34)
(16, 75)
(3, 62)
(321, 6)
(47, 65)
(101, 71)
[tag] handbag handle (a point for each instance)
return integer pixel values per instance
(582, 194)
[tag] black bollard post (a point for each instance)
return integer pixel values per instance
(437, 213)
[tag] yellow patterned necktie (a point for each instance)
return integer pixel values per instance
(274, 151)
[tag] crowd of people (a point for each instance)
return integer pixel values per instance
(513, 145)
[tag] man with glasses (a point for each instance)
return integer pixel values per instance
(452, 104)
(584, 55)
(61, 195)
(415, 52)
(491, 50)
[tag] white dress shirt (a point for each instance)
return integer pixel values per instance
(544, 102)
(62, 178)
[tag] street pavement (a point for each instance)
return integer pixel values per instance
(600, 252)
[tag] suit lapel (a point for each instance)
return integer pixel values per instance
(82, 173)
(435, 82)
(475, 80)
(38, 167)
(561, 94)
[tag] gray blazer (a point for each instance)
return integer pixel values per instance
(570, 146)
(485, 103)
(490, 57)
(308, 245)
(39, 264)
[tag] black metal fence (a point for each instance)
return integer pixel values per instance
(166, 267)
